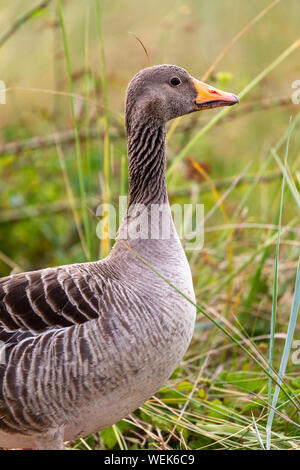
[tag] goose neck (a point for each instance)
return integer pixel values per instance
(147, 164)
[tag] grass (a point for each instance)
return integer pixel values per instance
(274, 301)
(76, 129)
(105, 242)
(237, 387)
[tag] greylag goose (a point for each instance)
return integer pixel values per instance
(86, 344)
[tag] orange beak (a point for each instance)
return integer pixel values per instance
(210, 97)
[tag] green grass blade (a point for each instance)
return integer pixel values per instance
(105, 245)
(123, 182)
(257, 433)
(288, 342)
(103, 66)
(286, 351)
(76, 129)
(292, 188)
(275, 287)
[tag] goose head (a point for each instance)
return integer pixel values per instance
(164, 92)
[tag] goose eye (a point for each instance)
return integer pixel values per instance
(175, 81)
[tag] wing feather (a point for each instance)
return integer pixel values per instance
(53, 297)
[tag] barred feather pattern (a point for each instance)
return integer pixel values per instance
(86, 344)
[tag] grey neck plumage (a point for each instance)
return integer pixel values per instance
(147, 163)
(148, 218)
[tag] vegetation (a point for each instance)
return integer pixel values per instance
(63, 152)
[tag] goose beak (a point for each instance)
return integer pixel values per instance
(210, 97)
